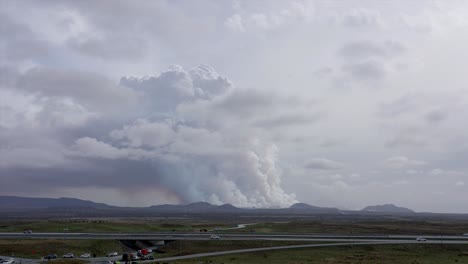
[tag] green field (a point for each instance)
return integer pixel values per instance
(348, 228)
(104, 226)
(387, 254)
(39, 248)
(410, 227)
(184, 247)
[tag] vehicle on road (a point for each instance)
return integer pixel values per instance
(27, 231)
(68, 255)
(51, 256)
(112, 254)
(466, 234)
(8, 261)
(134, 257)
(215, 237)
(147, 257)
(421, 239)
(85, 255)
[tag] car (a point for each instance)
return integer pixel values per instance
(68, 255)
(147, 257)
(466, 234)
(215, 237)
(134, 257)
(8, 261)
(51, 256)
(421, 239)
(27, 231)
(85, 255)
(112, 254)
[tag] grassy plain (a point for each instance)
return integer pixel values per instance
(384, 226)
(104, 226)
(38, 248)
(385, 254)
(362, 227)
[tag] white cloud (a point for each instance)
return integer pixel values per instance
(323, 164)
(400, 162)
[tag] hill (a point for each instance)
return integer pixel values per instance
(387, 208)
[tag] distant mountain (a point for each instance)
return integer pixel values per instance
(308, 207)
(15, 202)
(200, 205)
(387, 208)
(227, 207)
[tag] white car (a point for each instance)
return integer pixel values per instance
(421, 239)
(112, 254)
(215, 237)
(85, 255)
(466, 234)
(8, 261)
(68, 255)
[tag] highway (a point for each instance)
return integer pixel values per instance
(225, 236)
(250, 250)
(328, 240)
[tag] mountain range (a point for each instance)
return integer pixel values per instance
(15, 203)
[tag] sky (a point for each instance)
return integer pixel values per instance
(254, 103)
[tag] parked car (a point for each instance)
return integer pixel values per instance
(68, 255)
(51, 256)
(27, 231)
(85, 255)
(147, 257)
(7, 261)
(112, 254)
(466, 234)
(421, 239)
(215, 237)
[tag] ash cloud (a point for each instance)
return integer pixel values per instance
(184, 156)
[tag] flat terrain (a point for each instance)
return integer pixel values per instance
(405, 226)
(105, 226)
(383, 254)
(38, 248)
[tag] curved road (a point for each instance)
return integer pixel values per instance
(338, 240)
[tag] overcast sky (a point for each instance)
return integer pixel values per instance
(255, 103)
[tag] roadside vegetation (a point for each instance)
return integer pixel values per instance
(104, 226)
(384, 254)
(39, 248)
(385, 226)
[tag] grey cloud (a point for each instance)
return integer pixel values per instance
(114, 47)
(90, 89)
(289, 120)
(406, 140)
(400, 106)
(436, 116)
(367, 49)
(19, 41)
(362, 18)
(367, 70)
(176, 85)
(323, 164)
(399, 162)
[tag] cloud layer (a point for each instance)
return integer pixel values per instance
(335, 104)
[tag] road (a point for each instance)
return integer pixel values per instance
(249, 250)
(331, 240)
(225, 236)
